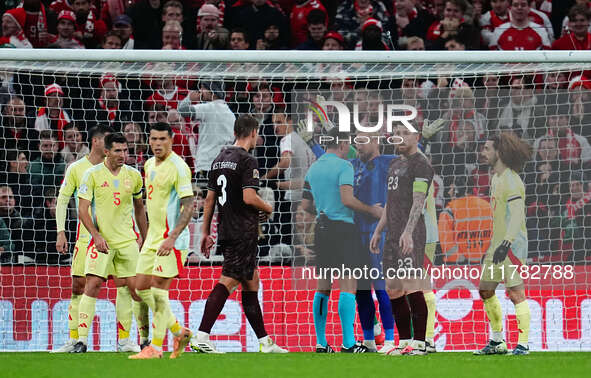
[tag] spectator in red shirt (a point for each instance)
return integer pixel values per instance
(181, 144)
(520, 33)
(37, 20)
(574, 149)
(166, 92)
(371, 36)
(497, 16)
(298, 19)
(66, 25)
(579, 37)
(53, 116)
(13, 23)
(90, 30)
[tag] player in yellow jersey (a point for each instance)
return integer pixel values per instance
(124, 302)
(430, 216)
(506, 154)
(170, 208)
(113, 191)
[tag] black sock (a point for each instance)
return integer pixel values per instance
(401, 312)
(213, 307)
(252, 310)
(418, 308)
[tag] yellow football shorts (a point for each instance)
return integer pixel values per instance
(79, 258)
(150, 263)
(507, 271)
(120, 261)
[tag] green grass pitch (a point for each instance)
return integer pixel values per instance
(114, 365)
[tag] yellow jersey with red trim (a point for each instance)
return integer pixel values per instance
(111, 200)
(166, 184)
(69, 188)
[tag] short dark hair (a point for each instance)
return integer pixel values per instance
(70, 125)
(114, 138)
(47, 134)
(162, 126)
(112, 33)
(244, 125)
(459, 3)
(315, 17)
(12, 155)
(577, 10)
(50, 192)
(241, 31)
(98, 131)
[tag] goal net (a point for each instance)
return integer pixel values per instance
(50, 99)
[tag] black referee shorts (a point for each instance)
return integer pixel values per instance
(338, 244)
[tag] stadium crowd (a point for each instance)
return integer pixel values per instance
(44, 118)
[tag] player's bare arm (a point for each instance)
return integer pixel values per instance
(251, 198)
(84, 216)
(374, 243)
(141, 218)
(187, 204)
(291, 185)
(354, 204)
(284, 163)
(418, 202)
(208, 207)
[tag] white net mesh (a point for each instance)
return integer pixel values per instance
(547, 104)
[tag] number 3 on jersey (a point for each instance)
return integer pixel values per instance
(223, 182)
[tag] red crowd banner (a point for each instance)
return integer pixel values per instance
(34, 303)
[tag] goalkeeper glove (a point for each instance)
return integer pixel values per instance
(430, 129)
(501, 252)
(302, 130)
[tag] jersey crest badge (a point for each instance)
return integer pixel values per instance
(255, 173)
(115, 183)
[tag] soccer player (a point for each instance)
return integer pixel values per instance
(506, 154)
(170, 209)
(114, 191)
(371, 172)
(408, 184)
(432, 237)
(124, 302)
(233, 182)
